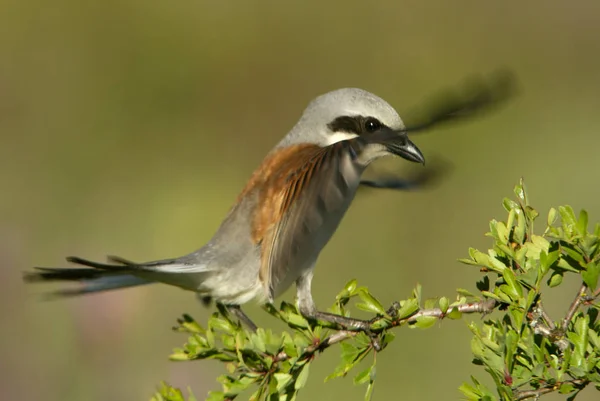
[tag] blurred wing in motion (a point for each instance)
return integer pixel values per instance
(481, 95)
(380, 176)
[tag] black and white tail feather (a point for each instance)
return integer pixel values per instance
(97, 277)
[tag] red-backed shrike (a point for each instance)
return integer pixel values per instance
(284, 216)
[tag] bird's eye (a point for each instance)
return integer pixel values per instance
(372, 124)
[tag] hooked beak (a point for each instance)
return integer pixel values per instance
(403, 147)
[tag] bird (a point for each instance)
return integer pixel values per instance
(284, 216)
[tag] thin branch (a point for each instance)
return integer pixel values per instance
(340, 336)
(541, 329)
(542, 324)
(482, 307)
(545, 316)
(579, 298)
(523, 395)
(551, 334)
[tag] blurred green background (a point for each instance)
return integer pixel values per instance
(128, 128)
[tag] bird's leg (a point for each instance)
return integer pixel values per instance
(308, 309)
(237, 311)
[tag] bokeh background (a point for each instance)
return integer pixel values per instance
(128, 127)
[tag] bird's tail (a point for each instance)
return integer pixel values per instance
(96, 277)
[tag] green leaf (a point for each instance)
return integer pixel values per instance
(555, 280)
(594, 340)
(470, 392)
(488, 294)
(444, 303)
(589, 245)
(338, 372)
(566, 388)
(566, 265)
(417, 293)
(579, 339)
(509, 204)
(388, 337)
(510, 221)
(191, 396)
(351, 355)
(468, 262)
(370, 303)
(504, 251)
(219, 323)
(369, 392)
(301, 341)
(297, 320)
(482, 259)
(424, 322)
(179, 356)
(282, 379)
(530, 279)
(273, 343)
(215, 396)
(466, 293)
(351, 286)
(454, 314)
(515, 291)
(502, 231)
(510, 344)
(289, 346)
(362, 341)
(302, 377)
(582, 222)
(408, 308)
(497, 265)
(520, 191)
(590, 275)
(348, 292)
(187, 323)
(349, 352)
(233, 386)
(552, 216)
(168, 393)
(568, 220)
(430, 303)
(258, 340)
(363, 376)
(381, 324)
(548, 259)
(210, 338)
(575, 254)
(540, 242)
(531, 213)
(519, 231)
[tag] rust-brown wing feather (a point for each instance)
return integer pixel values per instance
(298, 194)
